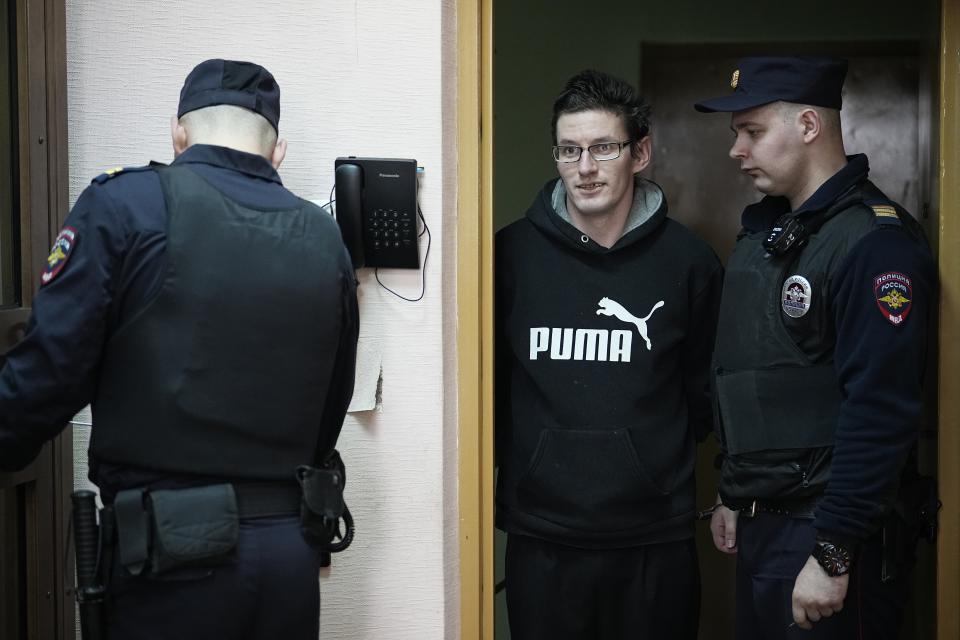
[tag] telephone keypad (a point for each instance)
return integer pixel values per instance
(389, 226)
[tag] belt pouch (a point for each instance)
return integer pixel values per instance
(195, 527)
(322, 505)
(133, 530)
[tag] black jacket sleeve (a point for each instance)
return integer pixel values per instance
(880, 360)
(341, 385)
(50, 374)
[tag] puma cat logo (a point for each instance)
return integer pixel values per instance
(613, 308)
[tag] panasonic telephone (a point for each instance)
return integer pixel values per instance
(376, 208)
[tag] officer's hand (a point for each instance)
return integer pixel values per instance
(723, 526)
(816, 595)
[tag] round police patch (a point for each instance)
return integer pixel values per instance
(62, 246)
(795, 297)
(894, 294)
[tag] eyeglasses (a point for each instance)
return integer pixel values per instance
(600, 151)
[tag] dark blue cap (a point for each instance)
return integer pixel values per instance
(809, 80)
(242, 84)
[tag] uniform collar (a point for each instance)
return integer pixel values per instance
(761, 215)
(227, 158)
(850, 175)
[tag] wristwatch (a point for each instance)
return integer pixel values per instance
(834, 558)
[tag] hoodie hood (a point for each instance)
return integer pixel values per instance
(549, 214)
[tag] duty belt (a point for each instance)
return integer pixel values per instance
(796, 508)
(266, 499)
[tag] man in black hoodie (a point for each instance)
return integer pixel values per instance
(605, 316)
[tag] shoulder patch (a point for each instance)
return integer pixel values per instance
(893, 292)
(62, 247)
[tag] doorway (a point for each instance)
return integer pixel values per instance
(893, 52)
(36, 578)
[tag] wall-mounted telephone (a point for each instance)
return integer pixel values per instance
(377, 211)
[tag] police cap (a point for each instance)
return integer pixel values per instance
(812, 80)
(242, 84)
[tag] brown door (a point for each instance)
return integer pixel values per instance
(35, 578)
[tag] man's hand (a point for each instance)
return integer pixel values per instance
(816, 595)
(723, 526)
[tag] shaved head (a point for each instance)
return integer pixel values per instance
(223, 123)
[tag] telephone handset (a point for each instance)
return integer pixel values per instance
(349, 181)
(376, 209)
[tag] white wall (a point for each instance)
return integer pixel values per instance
(366, 78)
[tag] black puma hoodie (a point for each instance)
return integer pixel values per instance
(602, 374)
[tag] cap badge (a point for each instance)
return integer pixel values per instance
(893, 292)
(796, 296)
(735, 79)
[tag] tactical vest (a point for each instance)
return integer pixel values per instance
(225, 371)
(777, 405)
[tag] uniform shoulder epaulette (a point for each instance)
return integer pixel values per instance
(116, 171)
(884, 212)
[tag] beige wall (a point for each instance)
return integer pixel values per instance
(357, 78)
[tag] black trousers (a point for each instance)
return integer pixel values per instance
(271, 591)
(556, 592)
(772, 550)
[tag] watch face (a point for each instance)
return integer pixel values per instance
(834, 559)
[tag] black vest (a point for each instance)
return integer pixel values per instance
(776, 396)
(225, 371)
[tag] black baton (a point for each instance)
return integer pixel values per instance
(90, 590)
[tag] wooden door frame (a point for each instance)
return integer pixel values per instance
(475, 314)
(475, 311)
(948, 543)
(43, 173)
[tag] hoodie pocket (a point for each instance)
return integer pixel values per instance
(588, 480)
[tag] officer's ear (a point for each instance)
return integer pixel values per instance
(178, 135)
(279, 153)
(810, 123)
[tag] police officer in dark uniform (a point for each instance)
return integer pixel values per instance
(818, 364)
(209, 316)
